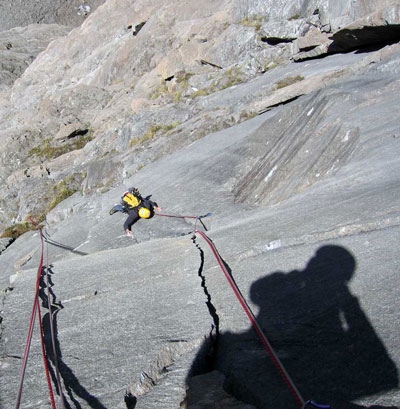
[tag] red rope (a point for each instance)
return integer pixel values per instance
(35, 310)
(30, 329)
(276, 361)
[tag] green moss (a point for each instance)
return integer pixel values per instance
(234, 76)
(182, 77)
(181, 85)
(177, 96)
(244, 115)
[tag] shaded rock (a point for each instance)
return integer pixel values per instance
(206, 391)
(4, 243)
(377, 28)
(71, 131)
(381, 27)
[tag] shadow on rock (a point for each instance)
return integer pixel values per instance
(56, 364)
(320, 333)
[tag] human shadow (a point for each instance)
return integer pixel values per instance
(60, 372)
(320, 334)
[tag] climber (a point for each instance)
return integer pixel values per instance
(137, 208)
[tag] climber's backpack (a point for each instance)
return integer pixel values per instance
(130, 200)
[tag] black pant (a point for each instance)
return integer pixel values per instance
(133, 217)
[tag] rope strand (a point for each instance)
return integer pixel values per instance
(30, 328)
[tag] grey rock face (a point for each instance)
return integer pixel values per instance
(145, 74)
(218, 108)
(19, 13)
(20, 46)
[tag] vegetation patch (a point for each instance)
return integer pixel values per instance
(151, 132)
(61, 191)
(285, 82)
(245, 115)
(294, 17)
(160, 90)
(47, 151)
(55, 195)
(233, 76)
(230, 77)
(18, 229)
(201, 92)
(252, 21)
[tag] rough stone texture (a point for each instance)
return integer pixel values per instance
(20, 46)
(18, 13)
(299, 165)
(135, 74)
